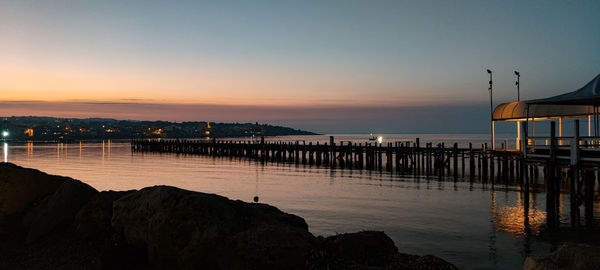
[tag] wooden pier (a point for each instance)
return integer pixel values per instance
(565, 168)
(407, 158)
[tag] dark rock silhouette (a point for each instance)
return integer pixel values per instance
(343, 251)
(184, 229)
(19, 187)
(367, 250)
(57, 210)
(94, 218)
(569, 256)
(61, 223)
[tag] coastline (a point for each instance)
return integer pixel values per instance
(53, 221)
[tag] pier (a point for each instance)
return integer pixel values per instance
(406, 158)
(565, 164)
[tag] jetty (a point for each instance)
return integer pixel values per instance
(409, 158)
(568, 164)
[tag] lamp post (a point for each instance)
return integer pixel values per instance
(518, 83)
(491, 111)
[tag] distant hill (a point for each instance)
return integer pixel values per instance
(65, 129)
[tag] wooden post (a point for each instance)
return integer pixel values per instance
(552, 141)
(462, 156)
(471, 163)
(524, 139)
(479, 165)
(417, 150)
(551, 180)
(590, 179)
(455, 156)
(332, 151)
(575, 145)
(574, 178)
(484, 164)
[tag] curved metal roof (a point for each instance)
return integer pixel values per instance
(589, 94)
(518, 111)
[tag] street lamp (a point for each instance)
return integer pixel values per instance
(5, 133)
(518, 85)
(491, 111)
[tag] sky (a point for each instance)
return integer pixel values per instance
(325, 66)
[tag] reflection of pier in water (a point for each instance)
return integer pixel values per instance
(500, 166)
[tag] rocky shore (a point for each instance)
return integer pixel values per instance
(54, 222)
(568, 256)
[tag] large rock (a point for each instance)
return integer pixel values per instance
(19, 187)
(169, 228)
(94, 218)
(190, 230)
(567, 257)
(367, 250)
(57, 210)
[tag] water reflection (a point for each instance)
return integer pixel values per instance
(472, 224)
(29, 149)
(520, 219)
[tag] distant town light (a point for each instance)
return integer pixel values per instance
(379, 139)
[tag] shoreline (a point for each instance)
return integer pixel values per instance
(160, 227)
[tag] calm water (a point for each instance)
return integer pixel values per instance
(473, 225)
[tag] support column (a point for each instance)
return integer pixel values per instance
(560, 130)
(518, 143)
(589, 126)
(493, 136)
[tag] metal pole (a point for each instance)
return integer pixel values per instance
(491, 112)
(518, 83)
(595, 124)
(526, 130)
(518, 144)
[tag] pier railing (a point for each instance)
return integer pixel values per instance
(403, 157)
(568, 159)
(572, 149)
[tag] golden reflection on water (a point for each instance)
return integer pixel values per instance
(5, 152)
(516, 219)
(29, 149)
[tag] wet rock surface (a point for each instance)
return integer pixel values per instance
(58, 209)
(94, 219)
(66, 224)
(568, 257)
(367, 250)
(183, 229)
(19, 187)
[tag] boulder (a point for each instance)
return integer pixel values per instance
(19, 187)
(57, 210)
(367, 250)
(165, 227)
(94, 218)
(426, 262)
(182, 229)
(569, 256)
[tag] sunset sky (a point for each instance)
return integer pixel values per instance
(327, 66)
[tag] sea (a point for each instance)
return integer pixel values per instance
(473, 225)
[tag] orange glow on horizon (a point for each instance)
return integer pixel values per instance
(204, 87)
